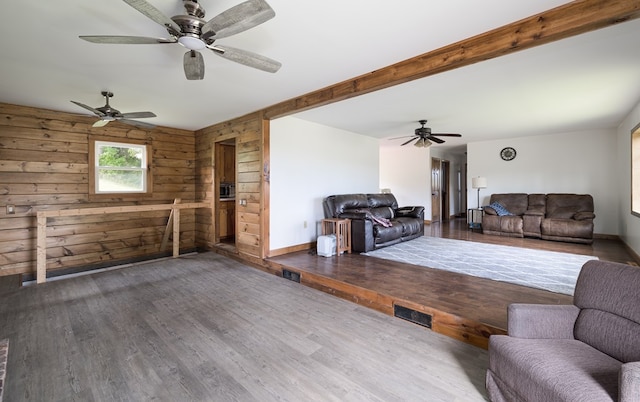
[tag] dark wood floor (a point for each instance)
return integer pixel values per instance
(464, 307)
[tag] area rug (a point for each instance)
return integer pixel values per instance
(547, 270)
(4, 352)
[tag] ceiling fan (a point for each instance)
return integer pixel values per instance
(106, 114)
(424, 136)
(194, 33)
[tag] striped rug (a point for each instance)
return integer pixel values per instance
(547, 270)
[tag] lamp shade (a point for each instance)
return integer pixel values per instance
(479, 182)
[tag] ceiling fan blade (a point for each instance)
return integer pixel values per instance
(193, 65)
(101, 123)
(435, 139)
(153, 13)
(136, 123)
(237, 19)
(125, 40)
(413, 139)
(247, 58)
(447, 134)
(138, 115)
(96, 111)
(404, 136)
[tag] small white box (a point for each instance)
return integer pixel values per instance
(327, 245)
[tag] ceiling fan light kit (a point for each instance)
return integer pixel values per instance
(194, 33)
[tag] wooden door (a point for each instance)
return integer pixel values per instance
(436, 187)
(445, 194)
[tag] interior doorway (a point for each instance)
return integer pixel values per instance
(436, 188)
(224, 164)
(440, 190)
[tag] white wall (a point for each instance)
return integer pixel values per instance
(629, 224)
(406, 171)
(580, 162)
(309, 162)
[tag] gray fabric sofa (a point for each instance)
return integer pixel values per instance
(376, 219)
(559, 217)
(588, 351)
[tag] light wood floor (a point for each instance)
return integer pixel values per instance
(207, 328)
(467, 308)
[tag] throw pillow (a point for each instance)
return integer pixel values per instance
(500, 210)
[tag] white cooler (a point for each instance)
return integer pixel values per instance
(327, 245)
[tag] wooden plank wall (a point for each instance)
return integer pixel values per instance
(248, 132)
(44, 166)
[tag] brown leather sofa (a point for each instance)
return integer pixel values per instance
(560, 217)
(376, 219)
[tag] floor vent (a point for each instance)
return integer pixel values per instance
(290, 275)
(414, 316)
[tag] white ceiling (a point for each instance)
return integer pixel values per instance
(589, 81)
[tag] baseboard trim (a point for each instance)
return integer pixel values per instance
(291, 249)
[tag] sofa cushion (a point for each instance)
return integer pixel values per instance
(382, 212)
(516, 203)
(562, 213)
(382, 200)
(511, 224)
(342, 202)
(564, 206)
(553, 369)
(609, 324)
(386, 234)
(410, 226)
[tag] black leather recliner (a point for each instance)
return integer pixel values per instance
(376, 219)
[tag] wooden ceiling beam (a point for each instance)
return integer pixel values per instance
(558, 23)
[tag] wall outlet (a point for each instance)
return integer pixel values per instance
(11, 209)
(305, 224)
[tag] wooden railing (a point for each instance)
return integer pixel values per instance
(41, 258)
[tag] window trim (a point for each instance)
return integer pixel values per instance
(94, 195)
(635, 170)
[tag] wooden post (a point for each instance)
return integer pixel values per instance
(41, 247)
(176, 232)
(165, 238)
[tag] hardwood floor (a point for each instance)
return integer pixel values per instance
(207, 328)
(463, 307)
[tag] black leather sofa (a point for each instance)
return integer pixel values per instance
(376, 219)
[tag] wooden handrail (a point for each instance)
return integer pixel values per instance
(41, 257)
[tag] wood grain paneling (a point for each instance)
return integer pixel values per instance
(248, 131)
(44, 167)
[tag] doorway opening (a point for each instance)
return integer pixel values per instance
(224, 164)
(440, 190)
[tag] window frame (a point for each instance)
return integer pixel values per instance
(94, 169)
(635, 170)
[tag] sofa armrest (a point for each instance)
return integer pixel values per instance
(581, 216)
(541, 321)
(489, 211)
(410, 212)
(629, 382)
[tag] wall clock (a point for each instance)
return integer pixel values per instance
(508, 153)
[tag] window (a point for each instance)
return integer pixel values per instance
(119, 168)
(635, 170)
